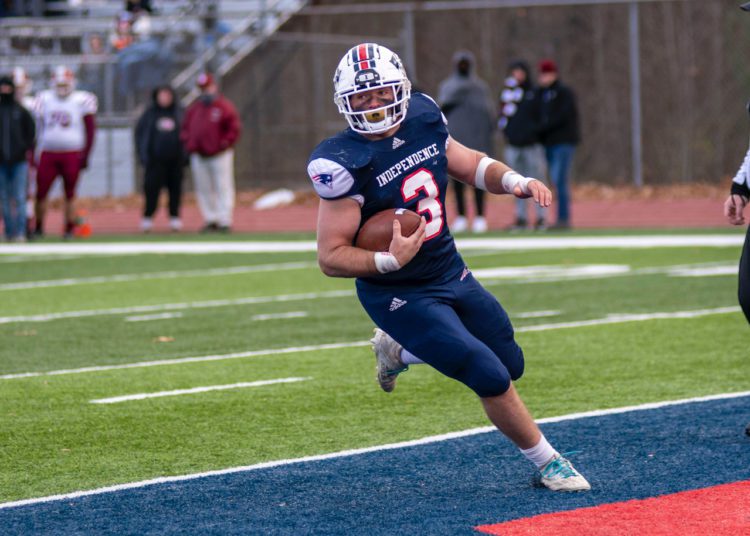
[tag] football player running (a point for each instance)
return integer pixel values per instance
(66, 128)
(397, 153)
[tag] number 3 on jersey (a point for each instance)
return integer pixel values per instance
(422, 179)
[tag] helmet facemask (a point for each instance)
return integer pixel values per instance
(364, 68)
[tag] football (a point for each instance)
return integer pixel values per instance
(377, 232)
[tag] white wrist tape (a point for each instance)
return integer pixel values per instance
(511, 179)
(484, 163)
(385, 262)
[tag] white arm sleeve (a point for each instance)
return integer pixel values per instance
(330, 179)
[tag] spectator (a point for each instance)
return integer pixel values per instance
(92, 70)
(519, 121)
(160, 152)
(16, 141)
(209, 132)
(559, 135)
(66, 119)
(24, 85)
(122, 36)
(467, 104)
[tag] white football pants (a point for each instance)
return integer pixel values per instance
(213, 179)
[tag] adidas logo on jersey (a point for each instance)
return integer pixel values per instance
(397, 142)
(396, 303)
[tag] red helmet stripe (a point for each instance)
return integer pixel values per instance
(362, 52)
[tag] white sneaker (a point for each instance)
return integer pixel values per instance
(459, 225)
(175, 224)
(479, 225)
(146, 225)
(388, 359)
(560, 475)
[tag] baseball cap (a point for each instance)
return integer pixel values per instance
(204, 80)
(547, 66)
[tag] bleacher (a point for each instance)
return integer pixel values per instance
(181, 39)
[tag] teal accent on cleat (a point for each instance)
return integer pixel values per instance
(388, 360)
(560, 475)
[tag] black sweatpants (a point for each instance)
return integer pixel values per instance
(160, 174)
(461, 203)
(744, 283)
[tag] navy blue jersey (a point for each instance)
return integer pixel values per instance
(406, 170)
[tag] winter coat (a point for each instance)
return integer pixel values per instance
(467, 104)
(210, 127)
(559, 115)
(17, 131)
(157, 134)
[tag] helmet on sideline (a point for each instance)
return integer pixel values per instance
(366, 67)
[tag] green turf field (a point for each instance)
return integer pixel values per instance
(53, 439)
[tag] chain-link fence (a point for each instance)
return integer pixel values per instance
(694, 78)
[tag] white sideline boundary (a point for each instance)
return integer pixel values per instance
(356, 452)
(611, 319)
(195, 390)
(499, 244)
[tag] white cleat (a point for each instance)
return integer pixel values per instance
(388, 359)
(480, 225)
(459, 225)
(560, 475)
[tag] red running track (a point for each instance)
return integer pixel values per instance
(717, 511)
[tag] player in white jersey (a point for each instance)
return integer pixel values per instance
(66, 128)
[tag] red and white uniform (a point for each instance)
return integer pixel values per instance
(60, 121)
(65, 127)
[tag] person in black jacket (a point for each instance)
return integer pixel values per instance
(559, 134)
(160, 151)
(17, 133)
(519, 121)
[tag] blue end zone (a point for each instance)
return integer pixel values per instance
(441, 488)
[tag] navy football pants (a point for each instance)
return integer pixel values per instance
(457, 327)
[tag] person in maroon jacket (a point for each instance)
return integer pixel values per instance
(209, 132)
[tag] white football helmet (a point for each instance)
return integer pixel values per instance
(63, 80)
(365, 67)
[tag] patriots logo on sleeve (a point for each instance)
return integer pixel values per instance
(325, 179)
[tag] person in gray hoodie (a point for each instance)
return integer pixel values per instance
(466, 102)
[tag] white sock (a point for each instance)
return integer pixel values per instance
(541, 453)
(410, 359)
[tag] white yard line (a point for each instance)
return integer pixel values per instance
(122, 278)
(537, 314)
(489, 276)
(555, 273)
(280, 316)
(499, 244)
(356, 452)
(194, 390)
(611, 319)
(147, 318)
(173, 306)
(196, 359)
(620, 318)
